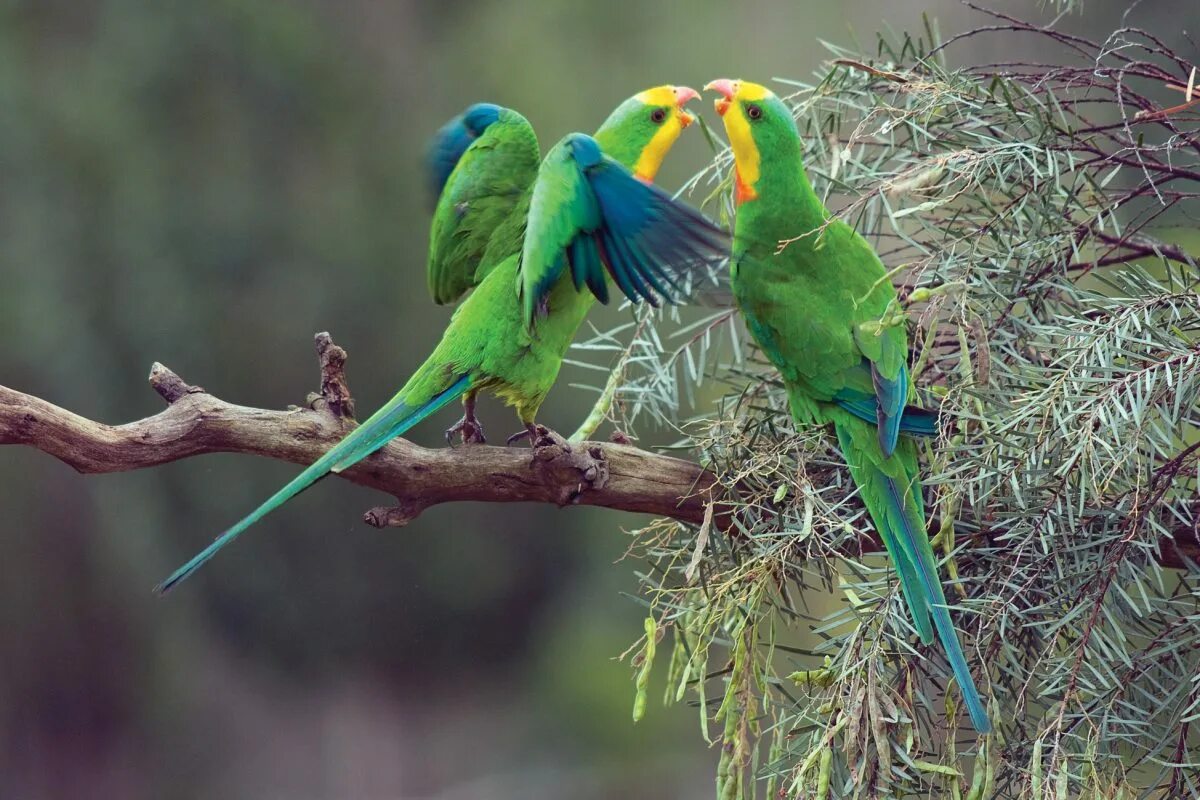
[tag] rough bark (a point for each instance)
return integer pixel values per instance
(195, 422)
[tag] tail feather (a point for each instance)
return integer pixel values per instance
(910, 585)
(384, 425)
(895, 505)
(391, 421)
(915, 541)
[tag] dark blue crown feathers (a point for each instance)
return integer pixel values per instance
(453, 139)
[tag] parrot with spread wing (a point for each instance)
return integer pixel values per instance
(593, 215)
(814, 295)
(482, 165)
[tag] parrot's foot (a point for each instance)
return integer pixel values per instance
(534, 433)
(468, 428)
(548, 446)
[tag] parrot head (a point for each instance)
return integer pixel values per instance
(641, 131)
(453, 140)
(756, 122)
(478, 117)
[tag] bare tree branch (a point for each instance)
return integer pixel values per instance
(195, 422)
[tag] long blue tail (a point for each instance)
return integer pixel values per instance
(895, 505)
(384, 425)
(914, 541)
(867, 479)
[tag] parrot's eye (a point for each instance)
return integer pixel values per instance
(658, 116)
(754, 111)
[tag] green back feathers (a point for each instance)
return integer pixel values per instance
(481, 192)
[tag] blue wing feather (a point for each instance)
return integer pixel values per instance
(612, 256)
(579, 257)
(914, 422)
(885, 406)
(663, 283)
(890, 397)
(594, 270)
(620, 249)
(606, 220)
(655, 235)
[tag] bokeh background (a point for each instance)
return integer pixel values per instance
(207, 184)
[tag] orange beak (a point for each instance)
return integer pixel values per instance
(727, 89)
(684, 95)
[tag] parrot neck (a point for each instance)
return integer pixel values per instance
(781, 205)
(618, 148)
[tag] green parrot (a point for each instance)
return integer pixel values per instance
(814, 305)
(590, 218)
(481, 165)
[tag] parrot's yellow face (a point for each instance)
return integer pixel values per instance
(741, 106)
(663, 106)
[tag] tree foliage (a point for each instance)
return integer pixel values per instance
(1026, 209)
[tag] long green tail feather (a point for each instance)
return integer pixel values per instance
(910, 585)
(917, 541)
(387, 423)
(895, 506)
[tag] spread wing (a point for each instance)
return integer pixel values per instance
(483, 186)
(590, 215)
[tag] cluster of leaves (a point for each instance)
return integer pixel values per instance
(1062, 342)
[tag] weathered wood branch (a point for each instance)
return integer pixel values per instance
(196, 422)
(605, 474)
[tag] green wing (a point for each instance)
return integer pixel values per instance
(506, 240)
(886, 354)
(483, 189)
(884, 349)
(589, 214)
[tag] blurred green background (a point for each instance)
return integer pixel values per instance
(207, 184)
